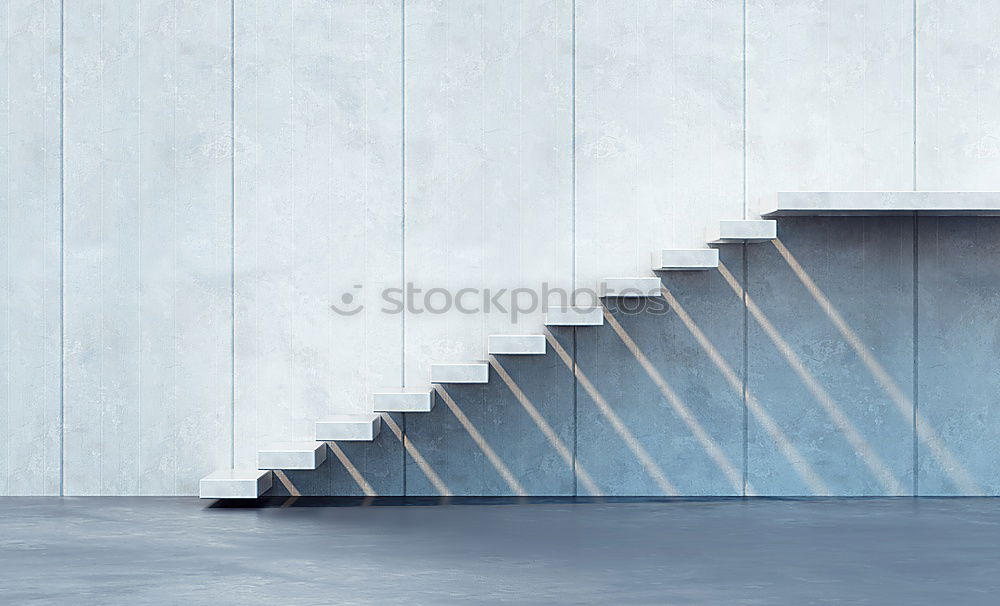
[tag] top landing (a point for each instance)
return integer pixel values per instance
(885, 203)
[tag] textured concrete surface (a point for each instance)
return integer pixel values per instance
(465, 442)
(958, 74)
(658, 129)
(831, 357)
(156, 551)
(488, 180)
(352, 468)
(539, 144)
(655, 413)
(147, 307)
(30, 274)
(830, 97)
(317, 214)
(959, 356)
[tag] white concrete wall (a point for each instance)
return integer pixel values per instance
(146, 244)
(188, 186)
(318, 210)
(30, 386)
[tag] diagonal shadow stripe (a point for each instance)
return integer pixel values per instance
(356, 475)
(546, 429)
(481, 442)
(619, 426)
(802, 467)
(734, 475)
(418, 458)
(862, 448)
(925, 432)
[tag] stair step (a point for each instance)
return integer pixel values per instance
(291, 455)
(757, 230)
(575, 316)
(352, 428)
(404, 400)
(673, 259)
(885, 203)
(460, 373)
(631, 287)
(517, 344)
(235, 484)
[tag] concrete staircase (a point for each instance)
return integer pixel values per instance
(251, 483)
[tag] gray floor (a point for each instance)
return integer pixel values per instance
(767, 551)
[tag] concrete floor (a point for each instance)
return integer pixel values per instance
(710, 551)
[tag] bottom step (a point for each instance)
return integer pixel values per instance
(235, 484)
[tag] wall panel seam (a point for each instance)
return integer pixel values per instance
(232, 232)
(402, 184)
(914, 95)
(916, 278)
(746, 368)
(744, 125)
(402, 218)
(916, 353)
(576, 418)
(573, 148)
(62, 248)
